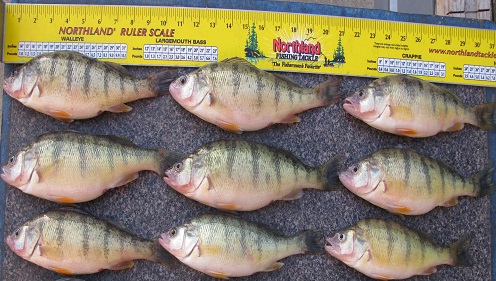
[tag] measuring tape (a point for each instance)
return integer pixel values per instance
(171, 36)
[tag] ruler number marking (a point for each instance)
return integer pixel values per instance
(309, 30)
(491, 46)
(433, 40)
(387, 36)
(228, 25)
(148, 22)
(341, 33)
(447, 42)
(462, 43)
(418, 39)
(294, 29)
(325, 31)
(261, 27)
(372, 35)
(163, 22)
(357, 34)
(245, 26)
(402, 37)
(477, 44)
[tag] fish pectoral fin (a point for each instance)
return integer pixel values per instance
(227, 206)
(396, 209)
(293, 195)
(122, 265)
(380, 277)
(61, 116)
(233, 128)
(217, 274)
(450, 203)
(61, 270)
(127, 179)
(290, 119)
(455, 127)
(406, 132)
(274, 266)
(120, 108)
(403, 113)
(429, 271)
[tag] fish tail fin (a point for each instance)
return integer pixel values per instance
(484, 114)
(330, 173)
(329, 90)
(312, 241)
(160, 82)
(167, 159)
(484, 182)
(458, 251)
(162, 256)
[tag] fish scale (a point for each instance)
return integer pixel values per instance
(405, 182)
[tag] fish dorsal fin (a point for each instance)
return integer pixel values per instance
(287, 79)
(119, 68)
(73, 208)
(237, 60)
(119, 140)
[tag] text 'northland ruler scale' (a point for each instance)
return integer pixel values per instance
(172, 36)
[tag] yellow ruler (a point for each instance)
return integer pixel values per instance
(174, 36)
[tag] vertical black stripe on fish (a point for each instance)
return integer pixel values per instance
(87, 76)
(453, 181)
(408, 244)
(53, 66)
(425, 170)
(445, 102)
(58, 146)
(408, 166)
(231, 149)
(83, 158)
(110, 158)
(244, 246)
(236, 79)
(390, 239)
(70, 73)
(277, 167)
(260, 88)
(290, 93)
(121, 82)
(106, 237)
(86, 237)
(255, 161)
(434, 102)
(422, 249)
(60, 232)
(443, 181)
(277, 92)
(106, 82)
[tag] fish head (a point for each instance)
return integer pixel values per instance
(191, 89)
(367, 103)
(186, 176)
(347, 246)
(180, 241)
(20, 84)
(24, 240)
(362, 177)
(19, 169)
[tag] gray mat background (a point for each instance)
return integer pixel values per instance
(148, 207)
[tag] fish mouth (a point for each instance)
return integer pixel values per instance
(350, 106)
(330, 247)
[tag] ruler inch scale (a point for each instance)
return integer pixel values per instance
(293, 42)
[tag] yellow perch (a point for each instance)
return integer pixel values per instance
(237, 96)
(71, 242)
(72, 167)
(245, 176)
(68, 85)
(408, 106)
(384, 250)
(225, 246)
(405, 182)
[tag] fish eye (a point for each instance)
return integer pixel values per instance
(182, 80)
(341, 236)
(173, 232)
(355, 169)
(178, 166)
(12, 160)
(361, 93)
(16, 233)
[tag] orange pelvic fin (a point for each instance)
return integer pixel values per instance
(406, 132)
(291, 119)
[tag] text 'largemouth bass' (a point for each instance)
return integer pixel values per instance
(237, 96)
(68, 85)
(405, 182)
(385, 250)
(245, 176)
(225, 246)
(71, 167)
(71, 242)
(408, 106)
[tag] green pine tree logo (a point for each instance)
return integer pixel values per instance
(251, 47)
